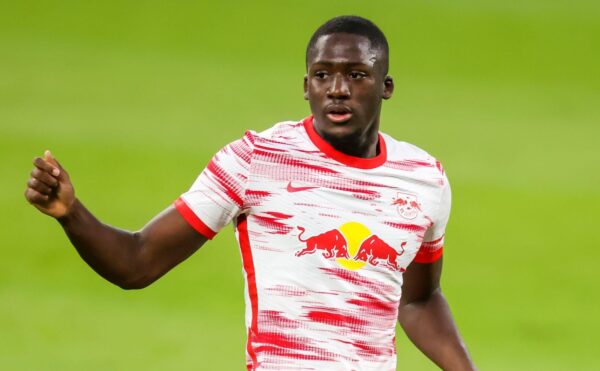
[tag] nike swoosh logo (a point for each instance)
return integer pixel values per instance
(292, 189)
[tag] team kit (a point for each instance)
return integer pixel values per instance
(324, 238)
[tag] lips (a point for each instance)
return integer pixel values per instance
(338, 113)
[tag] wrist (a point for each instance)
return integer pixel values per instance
(70, 212)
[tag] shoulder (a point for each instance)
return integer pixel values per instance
(411, 158)
(284, 130)
(279, 138)
(282, 136)
(400, 150)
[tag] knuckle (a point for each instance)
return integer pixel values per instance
(30, 195)
(44, 179)
(38, 179)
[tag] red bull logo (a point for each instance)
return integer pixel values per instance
(375, 251)
(331, 243)
(352, 246)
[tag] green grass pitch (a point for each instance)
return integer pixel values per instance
(133, 97)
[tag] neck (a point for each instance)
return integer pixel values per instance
(364, 145)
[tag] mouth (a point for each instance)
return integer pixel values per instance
(338, 113)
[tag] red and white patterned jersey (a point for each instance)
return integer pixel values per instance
(324, 239)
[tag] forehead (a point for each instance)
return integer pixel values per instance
(343, 48)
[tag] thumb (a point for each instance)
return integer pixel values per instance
(49, 158)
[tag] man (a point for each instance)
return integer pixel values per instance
(331, 216)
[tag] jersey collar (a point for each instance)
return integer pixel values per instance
(352, 161)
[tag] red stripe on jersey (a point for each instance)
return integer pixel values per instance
(193, 219)
(225, 181)
(287, 160)
(359, 162)
(407, 227)
(433, 245)
(426, 257)
(408, 165)
(242, 150)
(244, 240)
(329, 316)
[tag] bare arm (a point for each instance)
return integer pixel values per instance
(130, 260)
(425, 316)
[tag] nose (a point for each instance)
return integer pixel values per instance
(339, 87)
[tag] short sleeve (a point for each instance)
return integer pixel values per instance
(217, 195)
(433, 243)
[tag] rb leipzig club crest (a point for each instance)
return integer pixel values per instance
(407, 205)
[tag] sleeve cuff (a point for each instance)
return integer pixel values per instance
(430, 251)
(428, 257)
(188, 214)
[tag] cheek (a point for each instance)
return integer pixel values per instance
(369, 99)
(313, 88)
(317, 92)
(367, 90)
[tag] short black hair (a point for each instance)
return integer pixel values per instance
(353, 25)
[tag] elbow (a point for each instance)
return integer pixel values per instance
(135, 274)
(133, 285)
(421, 298)
(134, 282)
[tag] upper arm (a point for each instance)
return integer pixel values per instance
(421, 280)
(165, 241)
(213, 200)
(422, 277)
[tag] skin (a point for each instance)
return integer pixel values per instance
(343, 70)
(426, 319)
(130, 260)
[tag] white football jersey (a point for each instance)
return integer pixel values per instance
(324, 239)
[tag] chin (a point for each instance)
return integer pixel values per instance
(339, 131)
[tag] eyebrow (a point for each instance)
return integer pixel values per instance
(351, 64)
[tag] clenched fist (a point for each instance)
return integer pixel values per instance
(49, 188)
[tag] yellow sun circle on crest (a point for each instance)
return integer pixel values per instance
(355, 233)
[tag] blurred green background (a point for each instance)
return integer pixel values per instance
(134, 97)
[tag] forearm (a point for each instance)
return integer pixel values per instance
(113, 253)
(130, 260)
(430, 326)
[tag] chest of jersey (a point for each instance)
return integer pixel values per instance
(307, 208)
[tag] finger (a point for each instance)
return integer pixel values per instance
(39, 186)
(35, 197)
(41, 164)
(44, 177)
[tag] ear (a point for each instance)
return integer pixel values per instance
(305, 87)
(388, 87)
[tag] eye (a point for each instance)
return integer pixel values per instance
(356, 75)
(320, 75)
